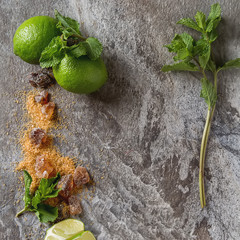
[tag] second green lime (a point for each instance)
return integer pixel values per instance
(80, 75)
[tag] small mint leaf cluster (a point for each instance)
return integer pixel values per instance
(53, 54)
(197, 55)
(35, 203)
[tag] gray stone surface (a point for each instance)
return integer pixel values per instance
(141, 133)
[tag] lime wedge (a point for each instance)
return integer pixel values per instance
(85, 235)
(65, 229)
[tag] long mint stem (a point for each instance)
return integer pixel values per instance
(202, 158)
(205, 137)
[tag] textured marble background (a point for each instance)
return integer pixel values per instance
(140, 134)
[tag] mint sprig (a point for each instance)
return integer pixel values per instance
(34, 203)
(53, 54)
(197, 55)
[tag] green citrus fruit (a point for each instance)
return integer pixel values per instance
(65, 229)
(80, 75)
(33, 36)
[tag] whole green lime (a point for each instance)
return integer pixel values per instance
(33, 36)
(80, 75)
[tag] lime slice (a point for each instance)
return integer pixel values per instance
(86, 235)
(65, 229)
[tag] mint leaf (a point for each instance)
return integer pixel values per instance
(176, 44)
(208, 92)
(188, 40)
(181, 66)
(46, 190)
(36, 199)
(211, 65)
(212, 24)
(203, 60)
(27, 196)
(53, 194)
(201, 48)
(182, 54)
(215, 11)
(46, 213)
(52, 55)
(68, 26)
(77, 50)
(94, 48)
(47, 185)
(214, 17)
(200, 19)
(188, 22)
(231, 64)
(213, 35)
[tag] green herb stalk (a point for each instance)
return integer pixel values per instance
(197, 55)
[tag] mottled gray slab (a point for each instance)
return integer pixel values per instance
(140, 134)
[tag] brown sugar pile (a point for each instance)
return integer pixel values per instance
(63, 165)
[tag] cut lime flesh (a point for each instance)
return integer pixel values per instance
(85, 235)
(64, 230)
